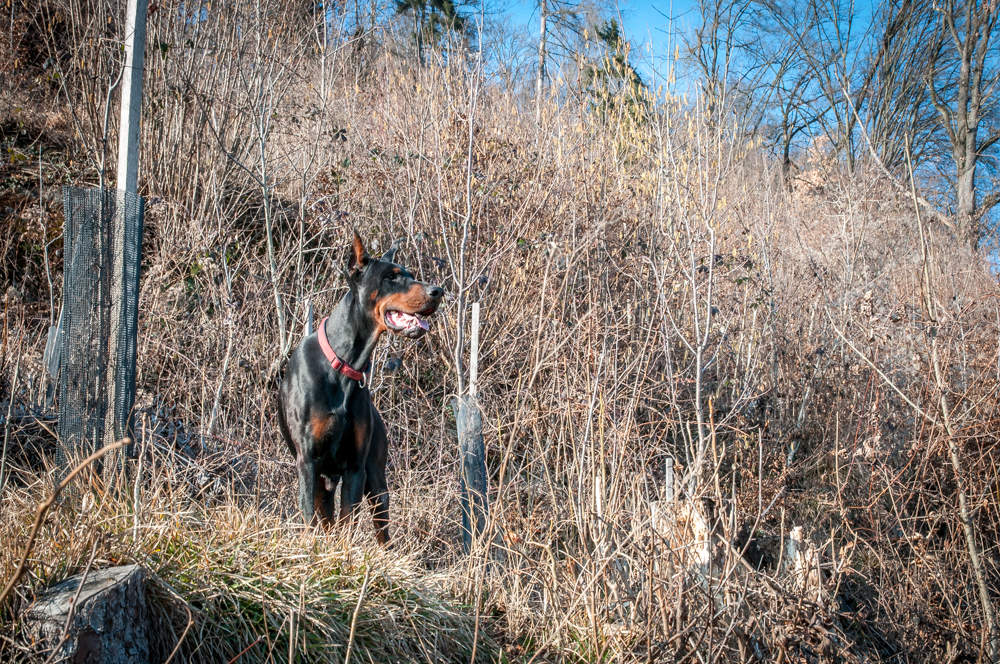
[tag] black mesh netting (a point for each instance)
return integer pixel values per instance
(102, 241)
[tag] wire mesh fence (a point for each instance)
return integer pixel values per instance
(102, 250)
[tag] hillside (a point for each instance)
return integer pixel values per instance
(815, 352)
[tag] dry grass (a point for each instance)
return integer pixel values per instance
(649, 289)
(242, 576)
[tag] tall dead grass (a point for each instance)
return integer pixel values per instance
(649, 290)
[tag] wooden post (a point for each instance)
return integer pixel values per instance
(663, 514)
(127, 183)
(472, 450)
(128, 138)
(793, 554)
(474, 359)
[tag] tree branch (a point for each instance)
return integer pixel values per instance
(931, 210)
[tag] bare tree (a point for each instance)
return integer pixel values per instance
(713, 45)
(565, 18)
(897, 101)
(782, 93)
(543, 13)
(832, 46)
(241, 116)
(962, 80)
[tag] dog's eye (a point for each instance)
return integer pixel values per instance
(391, 276)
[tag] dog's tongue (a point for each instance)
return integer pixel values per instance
(401, 319)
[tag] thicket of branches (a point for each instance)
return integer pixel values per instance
(877, 82)
(811, 342)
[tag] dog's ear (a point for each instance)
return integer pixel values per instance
(390, 255)
(357, 257)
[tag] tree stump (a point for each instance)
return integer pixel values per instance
(109, 626)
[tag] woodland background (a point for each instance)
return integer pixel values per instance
(767, 253)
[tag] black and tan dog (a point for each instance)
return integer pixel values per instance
(325, 410)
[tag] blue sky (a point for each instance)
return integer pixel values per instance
(644, 20)
(647, 25)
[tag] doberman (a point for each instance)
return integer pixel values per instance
(325, 409)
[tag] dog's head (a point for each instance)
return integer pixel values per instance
(388, 293)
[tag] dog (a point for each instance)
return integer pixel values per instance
(325, 410)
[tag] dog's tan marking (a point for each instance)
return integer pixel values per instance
(410, 302)
(319, 424)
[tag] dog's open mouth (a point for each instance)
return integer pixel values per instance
(404, 323)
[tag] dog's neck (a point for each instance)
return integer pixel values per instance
(351, 332)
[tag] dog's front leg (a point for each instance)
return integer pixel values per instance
(321, 439)
(308, 484)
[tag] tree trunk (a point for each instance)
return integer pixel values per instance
(543, 11)
(109, 624)
(786, 160)
(965, 190)
(420, 38)
(969, 27)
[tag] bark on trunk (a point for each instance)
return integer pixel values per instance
(543, 11)
(786, 161)
(965, 191)
(110, 624)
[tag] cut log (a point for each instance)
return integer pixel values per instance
(109, 626)
(685, 526)
(802, 560)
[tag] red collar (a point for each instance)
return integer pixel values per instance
(335, 362)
